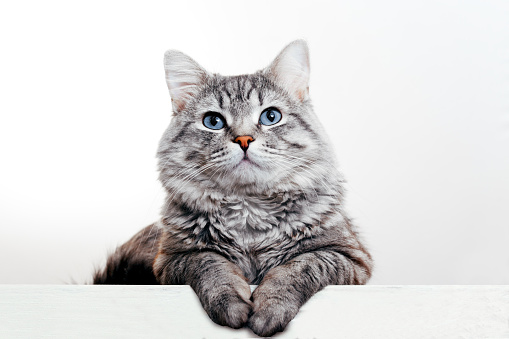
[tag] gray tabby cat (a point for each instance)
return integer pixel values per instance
(253, 198)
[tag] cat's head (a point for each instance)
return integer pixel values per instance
(251, 133)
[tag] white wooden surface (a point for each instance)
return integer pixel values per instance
(75, 311)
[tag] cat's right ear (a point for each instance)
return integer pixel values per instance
(291, 69)
(183, 76)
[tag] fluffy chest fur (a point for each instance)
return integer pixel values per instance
(255, 232)
(250, 220)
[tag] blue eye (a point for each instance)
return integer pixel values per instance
(213, 120)
(270, 116)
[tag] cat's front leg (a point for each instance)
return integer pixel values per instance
(286, 288)
(220, 285)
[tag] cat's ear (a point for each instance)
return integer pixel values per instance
(183, 76)
(291, 69)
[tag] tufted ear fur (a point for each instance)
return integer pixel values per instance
(183, 76)
(291, 69)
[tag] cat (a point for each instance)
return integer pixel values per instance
(253, 197)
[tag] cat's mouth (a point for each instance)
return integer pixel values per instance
(246, 161)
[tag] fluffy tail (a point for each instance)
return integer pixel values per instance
(131, 263)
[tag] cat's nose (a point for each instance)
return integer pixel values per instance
(244, 141)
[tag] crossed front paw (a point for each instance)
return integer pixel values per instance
(271, 312)
(230, 310)
(266, 312)
(231, 306)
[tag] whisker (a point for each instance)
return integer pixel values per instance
(306, 163)
(172, 193)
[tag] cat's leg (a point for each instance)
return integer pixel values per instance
(223, 290)
(285, 288)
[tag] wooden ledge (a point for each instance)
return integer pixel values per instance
(77, 311)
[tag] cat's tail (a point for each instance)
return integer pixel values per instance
(131, 263)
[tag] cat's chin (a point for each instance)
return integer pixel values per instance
(245, 173)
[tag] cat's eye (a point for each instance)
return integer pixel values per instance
(213, 120)
(270, 116)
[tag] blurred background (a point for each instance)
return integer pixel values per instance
(414, 95)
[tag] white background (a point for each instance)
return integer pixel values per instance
(414, 94)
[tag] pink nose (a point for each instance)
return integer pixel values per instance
(243, 141)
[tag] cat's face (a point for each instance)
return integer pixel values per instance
(250, 132)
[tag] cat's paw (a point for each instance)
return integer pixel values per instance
(230, 310)
(230, 307)
(271, 314)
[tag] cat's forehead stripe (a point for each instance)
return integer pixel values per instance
(238, 89)
(219, 98)
(260, 97)
(248, 95)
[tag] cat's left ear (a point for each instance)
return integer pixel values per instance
(183, 77)
(291, 69)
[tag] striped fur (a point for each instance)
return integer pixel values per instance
(276, 220)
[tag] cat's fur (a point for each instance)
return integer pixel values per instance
(275, 220)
